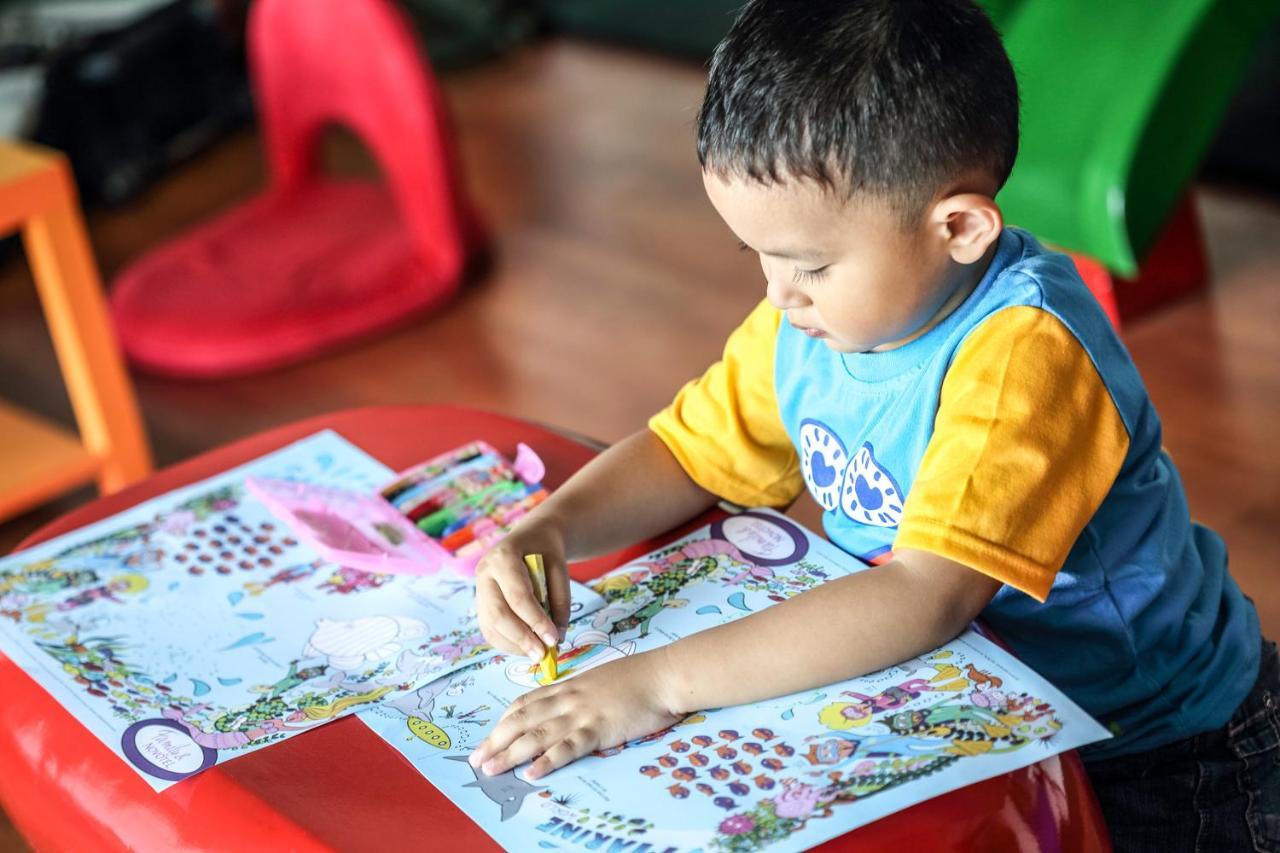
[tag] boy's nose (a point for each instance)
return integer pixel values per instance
(783, 294)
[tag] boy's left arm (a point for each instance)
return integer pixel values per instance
(920, 600)
(1027, 443)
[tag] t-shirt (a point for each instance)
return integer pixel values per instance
(1014, 437)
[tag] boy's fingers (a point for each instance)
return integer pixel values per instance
(488, 595)
(517, 591)
(558, 593)
(524, 748)
(561, 753)
(503, 626)
(494, 636)
(501, 619)
(520, 711)
(503, 643)
(516, 720)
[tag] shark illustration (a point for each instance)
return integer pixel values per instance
(506, 789)
(421, 702)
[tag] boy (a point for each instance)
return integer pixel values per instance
(957, 403)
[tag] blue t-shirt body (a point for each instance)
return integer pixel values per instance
(1143, 627)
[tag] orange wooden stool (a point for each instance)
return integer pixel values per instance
(38, 459)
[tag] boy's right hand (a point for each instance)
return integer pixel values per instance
(511, 618)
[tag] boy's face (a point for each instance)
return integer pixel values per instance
(845, 272)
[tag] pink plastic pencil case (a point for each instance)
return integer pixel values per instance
(367, 532)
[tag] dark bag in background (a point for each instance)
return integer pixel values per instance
(461, 33)
(128, 104)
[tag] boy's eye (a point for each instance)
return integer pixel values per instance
(809, 275)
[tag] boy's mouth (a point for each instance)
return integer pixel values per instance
(813, 333)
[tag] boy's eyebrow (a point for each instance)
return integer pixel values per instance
(794, 255)
(787, 254)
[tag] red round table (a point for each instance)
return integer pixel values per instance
(340, 786)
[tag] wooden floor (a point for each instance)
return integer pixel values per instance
(615, 282)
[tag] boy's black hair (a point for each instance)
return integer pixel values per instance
(892, 97)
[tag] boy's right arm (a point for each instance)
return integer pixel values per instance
(632, 491)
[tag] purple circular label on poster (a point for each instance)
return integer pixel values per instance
(766, 540)
(165, 749)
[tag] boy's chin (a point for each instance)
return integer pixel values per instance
(843, 347)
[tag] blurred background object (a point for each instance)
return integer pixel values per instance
(128, 88)
(314, 261)
(32, 34)
(1244, 150)
(1121, 106)
(461, 33)
(685, 28)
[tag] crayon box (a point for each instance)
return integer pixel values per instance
(442, 513)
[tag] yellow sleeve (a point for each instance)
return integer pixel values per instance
(1026, 445)
(724, 427)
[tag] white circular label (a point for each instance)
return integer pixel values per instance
(759, 537)
(169, 749)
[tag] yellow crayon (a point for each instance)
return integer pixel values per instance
(538, 574)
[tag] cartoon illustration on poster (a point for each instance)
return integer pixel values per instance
(783, 774)
(196, 627)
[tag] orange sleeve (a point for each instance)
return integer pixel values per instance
(1026, 445)
(724, 427)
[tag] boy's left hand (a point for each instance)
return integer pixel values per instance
(603, 707)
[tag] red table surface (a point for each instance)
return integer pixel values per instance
(340, 786)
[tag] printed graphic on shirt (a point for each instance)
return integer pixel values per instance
(823, 461)
(869, 494)
(860, 486)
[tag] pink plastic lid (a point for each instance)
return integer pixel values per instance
(350, 528)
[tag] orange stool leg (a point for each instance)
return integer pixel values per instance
(37, 193)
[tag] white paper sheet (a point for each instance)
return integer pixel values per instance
(785, 774)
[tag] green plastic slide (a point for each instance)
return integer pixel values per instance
(1120, 100)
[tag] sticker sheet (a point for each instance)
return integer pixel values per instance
(784, 774)
(195, 627)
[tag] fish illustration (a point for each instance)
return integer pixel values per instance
(506, 789)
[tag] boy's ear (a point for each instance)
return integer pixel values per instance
(970, 223)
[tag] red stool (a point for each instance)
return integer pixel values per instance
(341, 787)
(312, 262)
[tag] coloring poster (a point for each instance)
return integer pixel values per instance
(195, 627)
(783, 774)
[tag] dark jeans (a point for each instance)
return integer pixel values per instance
(1217, 791)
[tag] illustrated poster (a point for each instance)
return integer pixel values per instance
(784, 774)
(195, 627)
